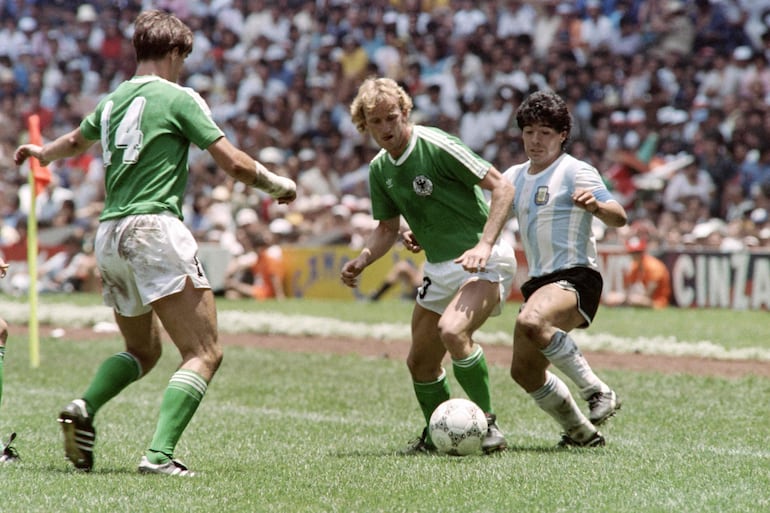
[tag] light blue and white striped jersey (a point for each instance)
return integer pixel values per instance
(556, 234)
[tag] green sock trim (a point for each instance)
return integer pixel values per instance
(471, 360)
(113, 375)
(431, 394)
(181, 399)
(189, 382)
(473, 375)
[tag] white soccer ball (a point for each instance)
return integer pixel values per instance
(457, 427)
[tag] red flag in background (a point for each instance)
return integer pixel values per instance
(41, 174)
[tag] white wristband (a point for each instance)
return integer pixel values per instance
(275, 185)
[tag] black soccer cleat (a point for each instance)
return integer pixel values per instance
(79, 435)
(493, 441)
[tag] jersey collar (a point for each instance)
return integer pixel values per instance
(408, 150)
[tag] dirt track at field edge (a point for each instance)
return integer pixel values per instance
(496, 354)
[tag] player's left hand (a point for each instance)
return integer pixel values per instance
(410, 242)
(585, 199)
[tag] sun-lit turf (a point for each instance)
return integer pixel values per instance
(290, 432)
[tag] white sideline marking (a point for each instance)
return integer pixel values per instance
(230, 321)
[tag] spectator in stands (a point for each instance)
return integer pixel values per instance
(674, 30)
(646, 281)
(259, 272)
(57, 56)
(689, 181)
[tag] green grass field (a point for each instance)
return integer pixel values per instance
(290, 432)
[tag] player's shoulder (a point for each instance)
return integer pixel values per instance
(378, 158)
(574, 163)
(433, 135)
(165, 87)
(513, 171)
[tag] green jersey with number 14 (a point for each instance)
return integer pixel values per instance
(145, 127)
(433, 184)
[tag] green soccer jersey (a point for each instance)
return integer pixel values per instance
(145, 127)
(433, 185)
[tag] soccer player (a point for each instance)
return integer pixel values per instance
(146, 255)
(8, 453)
(435, 182)
(557, 197)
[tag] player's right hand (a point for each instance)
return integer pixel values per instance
(28, 150)
(286, 191)
(350, 272)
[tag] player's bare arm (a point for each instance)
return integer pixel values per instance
(243, 168)
(611, 213)
(3, 268)
(379, 242)
(67, 145)
(475, 259)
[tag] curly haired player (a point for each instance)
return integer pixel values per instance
(557, 197)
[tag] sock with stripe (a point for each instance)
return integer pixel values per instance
(556, 400)
(183, 395)
(113, 375)
(564, 354)
(473, 375)
(431, 394)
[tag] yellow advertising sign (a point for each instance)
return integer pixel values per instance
(315, 272)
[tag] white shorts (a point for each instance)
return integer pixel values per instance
(143, 258)
(442, 280)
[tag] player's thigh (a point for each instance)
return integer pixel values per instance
(470, 307)
(549, 308)
(427, 351)
(142, 337)
(190, 320)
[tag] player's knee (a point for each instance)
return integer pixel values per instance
(212, 356)
(422, 370)
(529, 324)
(454, 335)
(3, 331)
(147, 357)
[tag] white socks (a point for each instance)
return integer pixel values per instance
(565, 355)
(555, 399)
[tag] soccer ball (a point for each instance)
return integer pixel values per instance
(457, 427)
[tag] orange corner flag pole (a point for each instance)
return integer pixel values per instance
(39, 177)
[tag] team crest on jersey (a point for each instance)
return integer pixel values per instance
(422, 186)
(541, 195)
(389, 183)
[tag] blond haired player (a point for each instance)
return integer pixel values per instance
(435, 182)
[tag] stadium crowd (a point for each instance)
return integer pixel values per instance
(671, 101)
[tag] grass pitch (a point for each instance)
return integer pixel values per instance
(290, 432)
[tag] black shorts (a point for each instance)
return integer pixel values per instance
(586, 282)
